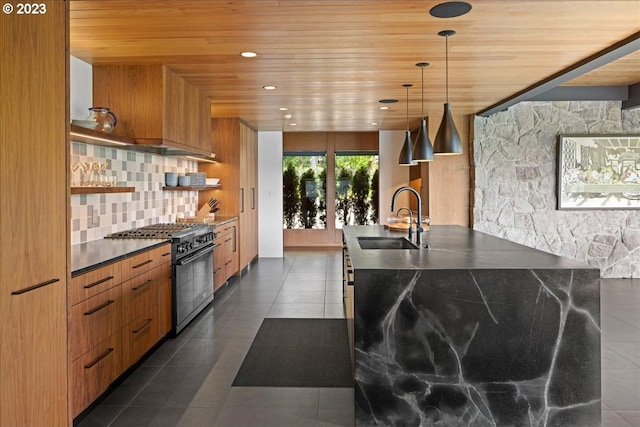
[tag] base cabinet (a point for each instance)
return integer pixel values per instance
(92, 373)
(117, 313)
(225, 255)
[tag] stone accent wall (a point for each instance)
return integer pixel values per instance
(515, 192)
(93, 216)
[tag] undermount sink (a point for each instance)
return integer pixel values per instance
(385, 243)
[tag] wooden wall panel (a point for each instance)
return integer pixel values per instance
(446, 180)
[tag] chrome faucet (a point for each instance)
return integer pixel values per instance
(418, 222)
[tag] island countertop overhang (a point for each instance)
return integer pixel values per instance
(450, 247)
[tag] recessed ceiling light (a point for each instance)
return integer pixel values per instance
(384, 107)
(287, 116)
(269, 87)
(388, 101)
(450, 9)
(248, 54)
(374, 123)
(283, 109)
(292, 124)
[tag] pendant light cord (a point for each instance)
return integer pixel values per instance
(447, 68)
(407, 107)
(422, 92)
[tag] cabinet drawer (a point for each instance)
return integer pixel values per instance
(140, 294)
(231, 265)
(94, 282)
(145, 261)
(93, 320)
(139, 336)
(219, 274)
(92, 373)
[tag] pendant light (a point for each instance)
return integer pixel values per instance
(447, 139)
(422, 149)
(406, 158)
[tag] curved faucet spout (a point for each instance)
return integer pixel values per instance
(419, 228)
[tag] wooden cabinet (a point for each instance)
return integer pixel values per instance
(34, 218)
(95, 347)
(154, 105)
(92, 373)
(236, 148)
(117, 313)
(249, 194)
(225, 255)
(141, 306)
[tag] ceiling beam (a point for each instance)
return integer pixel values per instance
(633, 100)
(612, 53)
(584, 93)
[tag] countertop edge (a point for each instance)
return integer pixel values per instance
(143, 246)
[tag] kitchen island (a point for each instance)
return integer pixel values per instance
(472, 331)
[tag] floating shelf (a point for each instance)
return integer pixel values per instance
(96, 190)
(191, 188)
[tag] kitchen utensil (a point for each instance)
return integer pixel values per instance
(104, 118)
(171, 179)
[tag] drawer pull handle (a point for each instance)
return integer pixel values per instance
(145, 326)
(99, 358)
(142, 263)
(98, 308)
(144, 285)
(228, 262)
(217, 270)
(91, 285)
(166, 254)
(228, 240)
(31, 288)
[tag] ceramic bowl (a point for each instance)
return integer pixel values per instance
(184, 181)
(171, 179)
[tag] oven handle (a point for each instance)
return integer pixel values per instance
(199, 254)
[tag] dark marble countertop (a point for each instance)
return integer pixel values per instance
(97, 253)
(450, 247)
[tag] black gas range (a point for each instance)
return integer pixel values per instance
(192, 265)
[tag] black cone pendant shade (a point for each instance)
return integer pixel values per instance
(422, 149)
(406, 154)
(447, 139)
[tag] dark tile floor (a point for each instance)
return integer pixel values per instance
(187, 381)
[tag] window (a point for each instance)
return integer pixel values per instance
(357, 195)
(304, 182)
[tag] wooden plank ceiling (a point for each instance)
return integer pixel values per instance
(332, 61)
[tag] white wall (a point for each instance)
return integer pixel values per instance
(81, 88)
(392, 175)
(270, 195)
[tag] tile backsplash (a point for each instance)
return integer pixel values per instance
(93, 216)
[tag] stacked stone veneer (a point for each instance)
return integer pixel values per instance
(95, 215)
(515, 192)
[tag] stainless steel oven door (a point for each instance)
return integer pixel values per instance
(192, 286)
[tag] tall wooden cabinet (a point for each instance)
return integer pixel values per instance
(236, 148)
(34, 218)
(249, 195)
